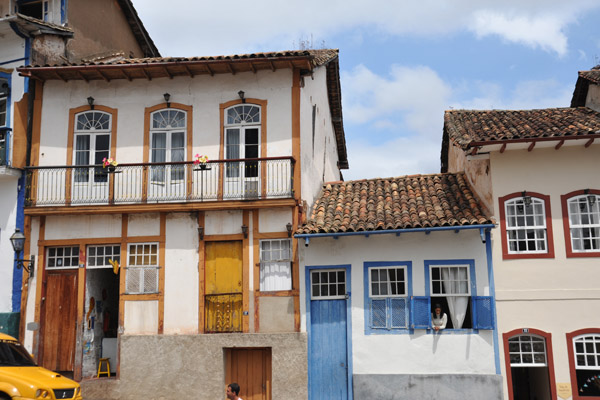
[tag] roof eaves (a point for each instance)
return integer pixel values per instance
(138, 29)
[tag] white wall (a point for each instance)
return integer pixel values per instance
(203, 93)
(319, 157)
(418, 353)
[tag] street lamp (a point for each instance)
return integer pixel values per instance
(18, 242)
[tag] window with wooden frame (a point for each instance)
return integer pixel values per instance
(526, 226)
(142, 268)
(242, 140)
(99, 256)
(328, 284)
(91, 145)
(168, 144)
(275, 265)
(64, 257)
(584, 363)
(387, 297)
(581, 219)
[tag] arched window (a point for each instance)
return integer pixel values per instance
(92, 144)
(582, 223)
(168, 143)
(584, 361)
(242, 139)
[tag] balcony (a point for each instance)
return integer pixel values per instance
(219, 180)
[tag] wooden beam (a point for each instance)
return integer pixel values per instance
(167, 72)
(102, 75)
(230, 68)
(531, 146)
(188, 70)
(60, 76)
(210, 71)
(503, 148)
(80, 74)
(272, 65)
(559, 145)
(125, 75)
(252, 67)
(146, 74)
(589, 143)
(474, 151)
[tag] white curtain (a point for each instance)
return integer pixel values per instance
(456, 281)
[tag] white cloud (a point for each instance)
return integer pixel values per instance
(414, 97)
(205, 28)
(545, 31)
(409, 103)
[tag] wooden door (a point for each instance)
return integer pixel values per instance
(223, 286)
(60, 320)
(251, 369)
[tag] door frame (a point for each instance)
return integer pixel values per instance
(347, 268)
(549, 357)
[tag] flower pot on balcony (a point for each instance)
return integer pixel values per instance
(202, 167)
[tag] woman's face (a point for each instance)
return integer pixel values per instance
(438, 311)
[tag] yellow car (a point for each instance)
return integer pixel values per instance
(22, 379)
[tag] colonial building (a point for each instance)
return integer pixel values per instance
(178, 256)
(536, 171)
(42, 32)
(379, 255)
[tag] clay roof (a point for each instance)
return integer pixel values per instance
(30, 26)
(268, 60)
(584, 79)
(469, 128)
(405, 202)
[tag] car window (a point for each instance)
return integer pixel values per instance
(12, 354)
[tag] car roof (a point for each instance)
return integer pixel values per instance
(4, 336)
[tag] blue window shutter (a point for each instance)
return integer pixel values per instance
(421, 312)
(378, 313)
(399, 314)
(484, 312)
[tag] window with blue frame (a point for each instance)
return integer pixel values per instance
(39, 9)
(451, 284)
(387, 296)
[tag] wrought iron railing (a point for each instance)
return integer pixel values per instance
(223, 312)
(239, 179)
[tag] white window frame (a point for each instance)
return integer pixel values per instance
(594, 212)
(527, 228)
(53, 259)
(92, 132)
(320, 284)
(169, 130)
(142, 268)
(280, 261)
(4, 97)
(114, 257)
(387, 268)
(594, 339)
(441, 280)
(241, 126)
(532, 352)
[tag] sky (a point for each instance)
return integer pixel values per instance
(402, 63)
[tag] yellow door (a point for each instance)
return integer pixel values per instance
(223, 291)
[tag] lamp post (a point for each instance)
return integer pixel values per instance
(18, 242)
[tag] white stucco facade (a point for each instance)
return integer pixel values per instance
(409, 351)
(553, 295)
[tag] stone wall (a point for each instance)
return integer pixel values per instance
(163, 367)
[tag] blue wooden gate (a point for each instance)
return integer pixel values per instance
(329, 367)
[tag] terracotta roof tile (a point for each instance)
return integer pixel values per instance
(416, 201)
(592, 75)
(319, 57)
(468, 128)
